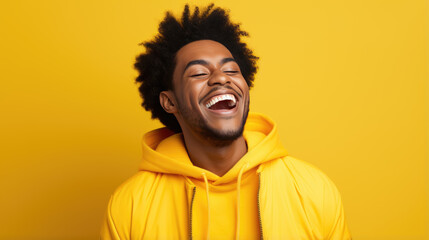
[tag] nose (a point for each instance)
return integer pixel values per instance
(218, 77)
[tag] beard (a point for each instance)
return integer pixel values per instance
(215, 136)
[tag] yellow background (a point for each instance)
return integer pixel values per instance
(347, 81)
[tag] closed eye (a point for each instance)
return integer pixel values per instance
(199, 74)
(230, 72)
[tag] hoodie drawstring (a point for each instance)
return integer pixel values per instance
(208, 205)
(237, 230)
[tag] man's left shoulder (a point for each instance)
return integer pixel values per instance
(301, 191)
(306, 178)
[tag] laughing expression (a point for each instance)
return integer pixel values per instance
(210, 94)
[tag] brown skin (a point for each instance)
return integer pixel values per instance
(207, 133)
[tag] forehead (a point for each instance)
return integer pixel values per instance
(202, 49)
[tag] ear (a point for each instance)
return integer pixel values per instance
(166, 99)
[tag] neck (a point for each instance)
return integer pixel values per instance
(214, 157)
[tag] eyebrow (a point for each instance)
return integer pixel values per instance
(205, 63)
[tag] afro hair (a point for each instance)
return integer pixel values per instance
(157, 63)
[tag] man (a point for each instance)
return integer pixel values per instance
(214, 172)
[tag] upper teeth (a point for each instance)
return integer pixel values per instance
(218, 98)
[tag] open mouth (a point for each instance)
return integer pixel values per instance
(222, 102)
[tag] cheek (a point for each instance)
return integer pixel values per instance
(196, 90)
(189, 95)
(244, 87)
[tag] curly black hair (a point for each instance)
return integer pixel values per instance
(156, 65)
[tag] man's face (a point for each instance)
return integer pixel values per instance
(211, 94)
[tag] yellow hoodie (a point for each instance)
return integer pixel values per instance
(266, 195)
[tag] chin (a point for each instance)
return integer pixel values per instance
(224, 136)
(227, 135)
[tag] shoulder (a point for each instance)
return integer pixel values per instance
(138, 190)
(137, 186)
(300, 173)
(313, 190)
(117, 222)
(316, 192)
(134, 184)
(306, 173)
(304, 179)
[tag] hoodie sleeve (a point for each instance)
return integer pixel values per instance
(320, 198)
(334, 223)
(117, 220)
(109, 229)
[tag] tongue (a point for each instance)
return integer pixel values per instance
(223, 105)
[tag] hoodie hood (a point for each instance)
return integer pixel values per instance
(165, 152)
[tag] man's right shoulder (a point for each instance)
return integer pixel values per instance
(139, 184)
(143, 185)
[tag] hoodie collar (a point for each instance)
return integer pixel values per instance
(165, 152)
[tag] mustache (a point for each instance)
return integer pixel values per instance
(217, 88)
